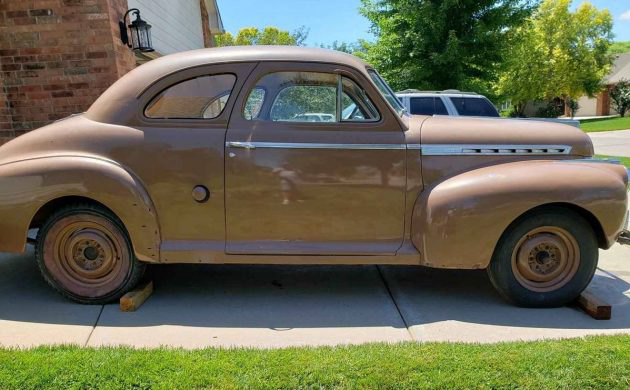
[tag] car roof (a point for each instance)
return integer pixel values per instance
(132, 84)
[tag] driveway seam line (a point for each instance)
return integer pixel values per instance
(94, 326)
(391, 296)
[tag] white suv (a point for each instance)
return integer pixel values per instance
(449, 102)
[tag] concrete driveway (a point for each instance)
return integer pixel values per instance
(277, 306)
(612, 143)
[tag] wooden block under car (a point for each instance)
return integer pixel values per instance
(594, 306)
(135, 298)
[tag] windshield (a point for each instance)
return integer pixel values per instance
(387, 92)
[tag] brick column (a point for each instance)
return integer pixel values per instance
(56, 58)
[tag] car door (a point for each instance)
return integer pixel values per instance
(181, 123)
(293, 186)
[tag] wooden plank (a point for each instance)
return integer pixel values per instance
(594, 306)
(136, 297)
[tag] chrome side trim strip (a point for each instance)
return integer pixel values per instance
(304, 145)
(491, 150)
(428, 150)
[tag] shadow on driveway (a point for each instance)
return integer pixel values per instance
(209, 305)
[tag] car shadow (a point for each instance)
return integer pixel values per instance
(288, 297)
(427, 296)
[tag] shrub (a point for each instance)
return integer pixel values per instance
(620, 96)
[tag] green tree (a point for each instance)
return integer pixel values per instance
(620, 96)
(558, 54)
(350, 48)
(268, 36)
(441, 44)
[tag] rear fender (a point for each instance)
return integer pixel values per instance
(28, 185)
(458, 222)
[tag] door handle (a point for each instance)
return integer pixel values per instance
(240, 145)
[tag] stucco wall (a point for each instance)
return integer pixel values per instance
(588, 106)
(175, 25)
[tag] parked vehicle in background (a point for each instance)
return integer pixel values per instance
(315, 117)
(452, 102)
(449, 102)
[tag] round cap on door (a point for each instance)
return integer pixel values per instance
(200, 194)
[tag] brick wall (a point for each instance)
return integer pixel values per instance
(56, 58)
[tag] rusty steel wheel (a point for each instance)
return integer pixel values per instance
(85, 253)
(545, 258)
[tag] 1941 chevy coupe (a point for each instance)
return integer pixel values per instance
(301, 156)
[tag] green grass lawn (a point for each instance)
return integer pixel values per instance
(601, 362)
(624, 160)
(593, 125)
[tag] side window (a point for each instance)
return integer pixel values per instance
(201, 97)
(254, 103)
(300, 103)
(474, 107)
(440, 108)
(422, 106)
(308, 97)
(355, 104)
(427, 106)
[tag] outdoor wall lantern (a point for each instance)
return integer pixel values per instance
(140, 32)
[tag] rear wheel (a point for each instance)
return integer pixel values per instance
(545, 259)
(84, 252)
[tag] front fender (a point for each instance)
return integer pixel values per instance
(28, 185)
(458, 222)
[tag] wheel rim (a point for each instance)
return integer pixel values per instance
(87, 254)
(545, 259)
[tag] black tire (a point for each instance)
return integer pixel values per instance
(114, 258)
(504, 271)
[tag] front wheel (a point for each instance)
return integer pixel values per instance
(84, 252)
(545, 259)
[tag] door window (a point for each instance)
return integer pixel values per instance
(308, 97)
(201, 97)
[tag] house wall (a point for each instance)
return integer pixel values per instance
(175, 25)
(56, 58)
(588, 106)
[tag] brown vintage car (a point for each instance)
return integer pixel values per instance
(282, 155)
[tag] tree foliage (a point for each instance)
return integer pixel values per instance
(441, 44)
(620, 96)
(268, 36)
(350, 48)
(558, 53)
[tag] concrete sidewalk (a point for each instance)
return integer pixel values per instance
(276, 306)
(612, 143)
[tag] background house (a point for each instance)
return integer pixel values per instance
(58, 56)
(600, 105)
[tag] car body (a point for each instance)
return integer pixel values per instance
(448, 102)
(197, 157)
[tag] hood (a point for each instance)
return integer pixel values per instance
(444, 130)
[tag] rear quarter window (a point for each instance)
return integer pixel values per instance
(467, 106)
